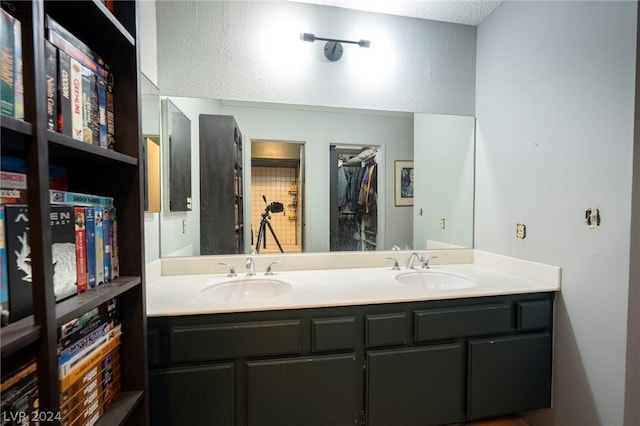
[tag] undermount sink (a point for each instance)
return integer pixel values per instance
(245, 290)
(433, 280)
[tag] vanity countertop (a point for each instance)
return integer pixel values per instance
(172, 295)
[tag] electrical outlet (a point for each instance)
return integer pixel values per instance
(521, 231)
(442, 224)
(592, 218)
(184, 225)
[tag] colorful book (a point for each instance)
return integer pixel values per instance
(66, 367)
(7, 75)
(63, 251)
(64, 93)
(4, 285)
(76, 100)
(81, 250)
(18, 71)
(95, 111)
(18, 261)
(106, 229)
(51, 73)
(97, 334)
(99, 237)
(78, 199)
(115, 260)
(87, 110)
(102, 112)
(13, 187)
(111, 117)
(90, 231)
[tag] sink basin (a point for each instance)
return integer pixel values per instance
(245, 290)
(432, 280)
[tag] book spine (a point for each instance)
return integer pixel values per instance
(51, 72)
(95, 111)
(87, 110)
(63, 251)
(111, 117)
(77, 199)
(91, 245)
(13, 188)
(64, 93)
(18, 261)
(95, 335)
(98, 217)
(4, 289)
(115, 260)
(76, 100)
(94, 375)
(67, 367)
(81, 249)
(87, 324)
(102, 111)
(106, 228)
(18, 71)
(85, 367)
(7, 82)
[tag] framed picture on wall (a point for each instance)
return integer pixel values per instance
(404, 183)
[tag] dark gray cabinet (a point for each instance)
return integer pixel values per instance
(417, 386)
(418, 363)
(319, 390)
(509, 374)
(188, 396)
(221, 213)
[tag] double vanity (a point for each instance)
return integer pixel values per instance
(468, 338)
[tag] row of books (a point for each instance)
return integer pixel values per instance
(11, 71)
(80, 85)
(89, 364)
(19, 395)
(84, 235)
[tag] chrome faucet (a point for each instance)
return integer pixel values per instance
(232, 270)
(414, 255)
(395, 266)
(268, 270)
(250, 266)
(425, 264)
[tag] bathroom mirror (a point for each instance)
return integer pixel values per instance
(316, 129)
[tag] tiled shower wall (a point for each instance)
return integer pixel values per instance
(275, 183)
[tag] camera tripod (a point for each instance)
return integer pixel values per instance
(264, 223)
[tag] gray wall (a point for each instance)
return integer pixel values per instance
(555, 108)
(251, 51)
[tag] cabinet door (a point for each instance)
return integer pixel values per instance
(509, 374)
(320, 390)
(418, 386)
(192, 396)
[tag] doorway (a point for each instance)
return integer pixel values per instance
(354, 208)
(277, 178)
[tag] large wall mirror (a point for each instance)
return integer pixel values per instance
(441, 148)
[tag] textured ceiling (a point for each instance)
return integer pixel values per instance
(469, 12)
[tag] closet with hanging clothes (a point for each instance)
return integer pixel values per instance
(354, 199)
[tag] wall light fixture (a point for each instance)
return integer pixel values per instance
(333, 48)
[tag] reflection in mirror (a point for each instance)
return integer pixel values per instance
(316, 129)
(178, 138)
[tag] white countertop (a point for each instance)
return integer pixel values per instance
(171, 295)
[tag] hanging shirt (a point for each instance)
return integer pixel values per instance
(342, 186)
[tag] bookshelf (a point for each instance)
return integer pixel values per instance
(93, 170)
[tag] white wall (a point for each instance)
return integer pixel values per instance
(317, 129)
(555, 107)
(249, 50)
(148, 36)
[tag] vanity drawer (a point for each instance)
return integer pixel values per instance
(534, 315)
(235, 340)
(329, 334)
(387, 329)
(451, 323)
